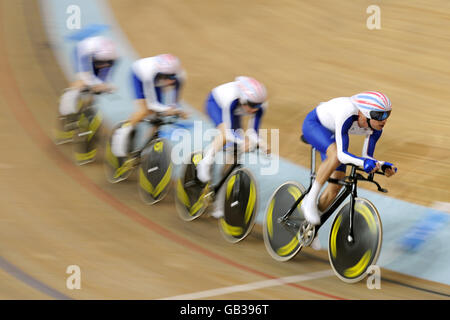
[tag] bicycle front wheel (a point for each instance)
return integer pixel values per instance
(281, 238)
(351, 259)
(240, 206)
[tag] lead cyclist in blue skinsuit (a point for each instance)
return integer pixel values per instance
(327, 128)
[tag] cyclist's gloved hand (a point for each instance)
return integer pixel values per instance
(369, 165)
(387, 165)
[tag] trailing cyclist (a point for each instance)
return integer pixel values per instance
(225, 105)
(157, 83)
(94, 59)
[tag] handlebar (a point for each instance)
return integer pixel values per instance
(88, 89)
(234, 146)
(361, 169)
(354, 176)
(160, 120)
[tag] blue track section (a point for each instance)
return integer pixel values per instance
(415, 239)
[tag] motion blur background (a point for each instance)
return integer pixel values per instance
(54, 214)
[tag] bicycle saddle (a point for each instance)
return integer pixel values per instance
(302, 139)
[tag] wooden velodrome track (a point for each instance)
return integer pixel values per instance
(54, 214)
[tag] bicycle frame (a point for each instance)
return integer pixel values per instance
(235, 165)
(154, 131)
(350, 184)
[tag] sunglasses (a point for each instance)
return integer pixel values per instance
(380, 115)
(253, 105)
(162, 76)
(104, 62)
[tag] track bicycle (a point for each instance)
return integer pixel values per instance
(152, 160)
(240, 205)
(81, 128)
(356, 232)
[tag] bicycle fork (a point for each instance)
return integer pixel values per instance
(352, 209)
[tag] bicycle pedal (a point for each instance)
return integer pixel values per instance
(209, 195)
(84, 133)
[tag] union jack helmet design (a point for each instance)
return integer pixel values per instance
(251, 90)
(105, 49)
(168, 64)
(373, 104)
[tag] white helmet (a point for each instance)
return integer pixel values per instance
(251, 91)
(168, 64)
(105, 50)
(373, 104)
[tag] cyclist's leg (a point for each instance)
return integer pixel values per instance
(215, 113)
(121, 139)
(323, 140)
(332, 189)
(69, 101)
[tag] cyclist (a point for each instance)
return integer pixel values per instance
(327, 128)
(94, 58)
(225, 105)
(157, 82)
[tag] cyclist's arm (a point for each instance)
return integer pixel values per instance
(227, 114)
(181, 78)
(342, 142)
(369, 148)
(85, 69)
(141, 113)
(145, 90)
(152, 100)
(253, 131)
(369, 144)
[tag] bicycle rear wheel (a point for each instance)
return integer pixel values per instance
(281, 239)
(155, 171)
(240, 206)
(116, 168)
(190, 194)
(350, 260)
(64, 129)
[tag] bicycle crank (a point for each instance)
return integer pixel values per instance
(306, 234)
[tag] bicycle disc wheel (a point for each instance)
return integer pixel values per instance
(86, 135)
(116, 168)
(190, 199)
(281, 239)
(64, 129)
(240, 206)
(155, 171)
(350, 260)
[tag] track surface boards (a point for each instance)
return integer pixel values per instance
(55, 214)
